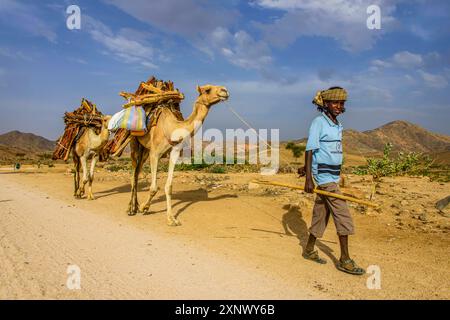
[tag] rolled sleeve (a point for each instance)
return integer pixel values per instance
(314, 136)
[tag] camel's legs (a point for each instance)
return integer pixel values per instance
(90, 195)
(174, 155)
(83, 160)
(154, 159)
(76, 175)
(138, 156)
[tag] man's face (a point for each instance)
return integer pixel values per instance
(336, 107)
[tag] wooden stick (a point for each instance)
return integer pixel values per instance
(318, 191)
(153, 98)
(124, 144)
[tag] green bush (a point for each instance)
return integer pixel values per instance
(217, 169)
(114, 168)
(297, 150)
(411, 163)
(45, 156)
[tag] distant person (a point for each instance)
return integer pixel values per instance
(323, 160)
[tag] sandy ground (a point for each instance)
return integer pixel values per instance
(234, 243)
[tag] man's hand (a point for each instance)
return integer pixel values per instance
(309, 186)
(301, 172)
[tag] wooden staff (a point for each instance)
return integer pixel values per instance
(318, 191)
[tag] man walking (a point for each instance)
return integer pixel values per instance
(323, 160)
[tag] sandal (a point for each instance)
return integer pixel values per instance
(349, 266)
(314, 256)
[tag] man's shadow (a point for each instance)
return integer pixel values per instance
(294, 225)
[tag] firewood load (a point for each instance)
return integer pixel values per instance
(86, 116)
(152, 95)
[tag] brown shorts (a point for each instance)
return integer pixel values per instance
(337, 207)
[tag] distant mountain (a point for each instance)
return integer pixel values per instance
(26, 142)
(404, 136)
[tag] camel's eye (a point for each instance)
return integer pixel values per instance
(208, 90)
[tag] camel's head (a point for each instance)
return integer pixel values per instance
(210, 94)
(105, 121)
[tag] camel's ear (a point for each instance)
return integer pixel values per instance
(199, 89)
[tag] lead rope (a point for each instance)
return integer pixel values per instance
(250, 127)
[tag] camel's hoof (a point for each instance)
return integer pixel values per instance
(131, 212)
(91, 198)
(145, 209)
(173, 223)
(133, 208)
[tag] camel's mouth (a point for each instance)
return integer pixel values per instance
(223, 94)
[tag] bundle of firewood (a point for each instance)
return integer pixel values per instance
(87, 115)
(150, 95)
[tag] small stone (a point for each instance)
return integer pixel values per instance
(404, 203)
(441, 204)
(444, 214)
(253, 185)
(423, 217)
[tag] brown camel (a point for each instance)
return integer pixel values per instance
(88, 146)
(169, 133)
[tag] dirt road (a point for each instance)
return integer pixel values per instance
(232, 244)
(42, 236)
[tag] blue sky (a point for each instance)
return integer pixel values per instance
(272, 55)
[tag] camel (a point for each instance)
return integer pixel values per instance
(168, 134)
(88, 146)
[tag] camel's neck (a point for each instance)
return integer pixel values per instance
(104, 134)
(197, 116)
(98, 140)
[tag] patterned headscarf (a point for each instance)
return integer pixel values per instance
(334, 94)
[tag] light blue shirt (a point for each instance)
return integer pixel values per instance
(325, 141)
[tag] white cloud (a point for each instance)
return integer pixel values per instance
(434, 80)
(27, 18)
(422, 65)
(186, 17)
(406, 59)
(206, 26)
(409, 60)
(241, 49)
(124, 45)
(14, 54)
(342, 20)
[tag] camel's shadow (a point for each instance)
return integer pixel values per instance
(187, 197)
(126, 188)
(294, 225)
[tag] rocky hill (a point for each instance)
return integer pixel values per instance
(404, 136)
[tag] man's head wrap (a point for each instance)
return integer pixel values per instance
(332, 94)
